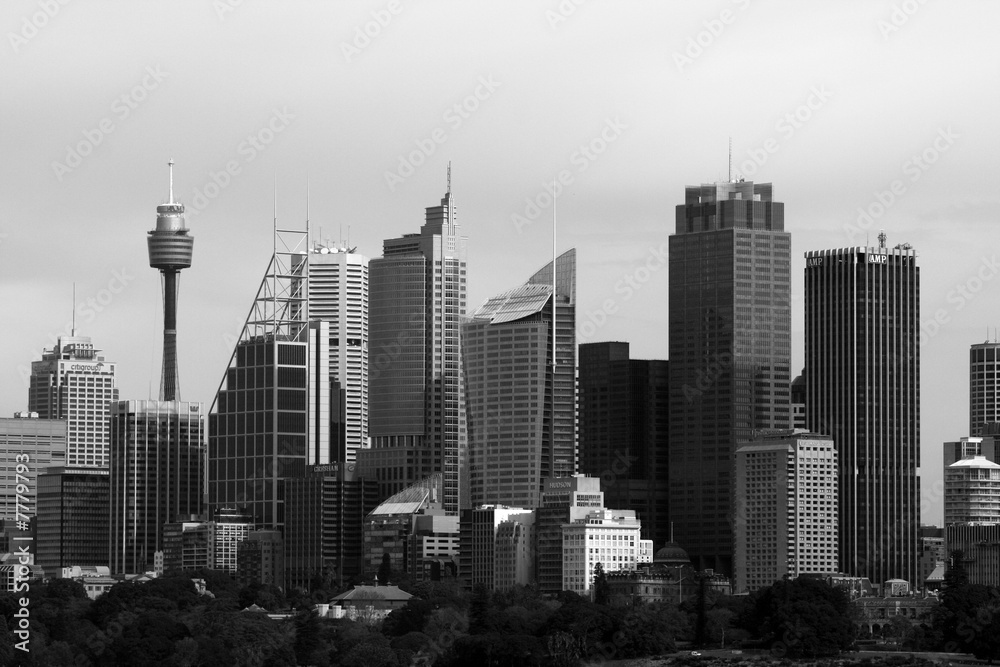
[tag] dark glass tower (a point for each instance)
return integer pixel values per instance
(415, 387)
(862, 332)
(624, 422)
(730, 352)
(984, 386)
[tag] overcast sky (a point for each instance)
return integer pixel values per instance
(838, 104)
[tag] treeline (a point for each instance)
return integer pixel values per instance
(166, 622)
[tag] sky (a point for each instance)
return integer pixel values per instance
(865, 115)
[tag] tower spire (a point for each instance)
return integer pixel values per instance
(449, 179)
(170, 169)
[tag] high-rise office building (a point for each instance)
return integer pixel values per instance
(786, 509)
(862, 352)
(624, 424)
(730, 352)
(564, 500)
(271, 421)
(522, 400)
(984, 386)
(416, 395)
(324, 515)
(72, 524)
(156, 475)
(338, 294)
(72, 381)
(27, 445)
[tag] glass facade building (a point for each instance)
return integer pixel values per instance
(521, 405)
(624, 429)
(984, 383)
(156, 471)
(72, 523)
(729, 323)
(416, 386)
(862, 354)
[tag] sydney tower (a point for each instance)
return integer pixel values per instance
(170, 250)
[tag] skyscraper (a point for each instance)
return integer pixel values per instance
(170, 250)
(624, 424)
(984, 385)
(416, 393)
(521, 387)
(73, 381)
(862, 324)
(338, 294)
(156, 476)
(72, 518)
(786, 519)
(730, 352)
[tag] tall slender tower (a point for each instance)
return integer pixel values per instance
(170, 249)
(984, 386)
(862, 330)
(416, 385)
(730, 352)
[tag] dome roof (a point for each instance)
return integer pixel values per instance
(671, 555)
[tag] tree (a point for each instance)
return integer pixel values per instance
(801, 618)
(385, 570)
(602, 591)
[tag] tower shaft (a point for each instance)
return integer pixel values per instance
(169, 383)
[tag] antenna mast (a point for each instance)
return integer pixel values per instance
(74, 312)
(730, 159)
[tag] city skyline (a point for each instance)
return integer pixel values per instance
(896, 129)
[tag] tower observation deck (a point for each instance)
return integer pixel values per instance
(170, 250)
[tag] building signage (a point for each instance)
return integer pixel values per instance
(814, 261)
(87, 368)
(330, 467)
(878, 259)
(560, 485)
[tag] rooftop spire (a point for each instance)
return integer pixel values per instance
(170, 168)
(449, 178)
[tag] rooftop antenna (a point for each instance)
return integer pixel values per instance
(730, 159)
(170, 168)
(449, 179)
(881, 239)
(74, 312)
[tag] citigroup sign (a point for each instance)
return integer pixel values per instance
(87, 368)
